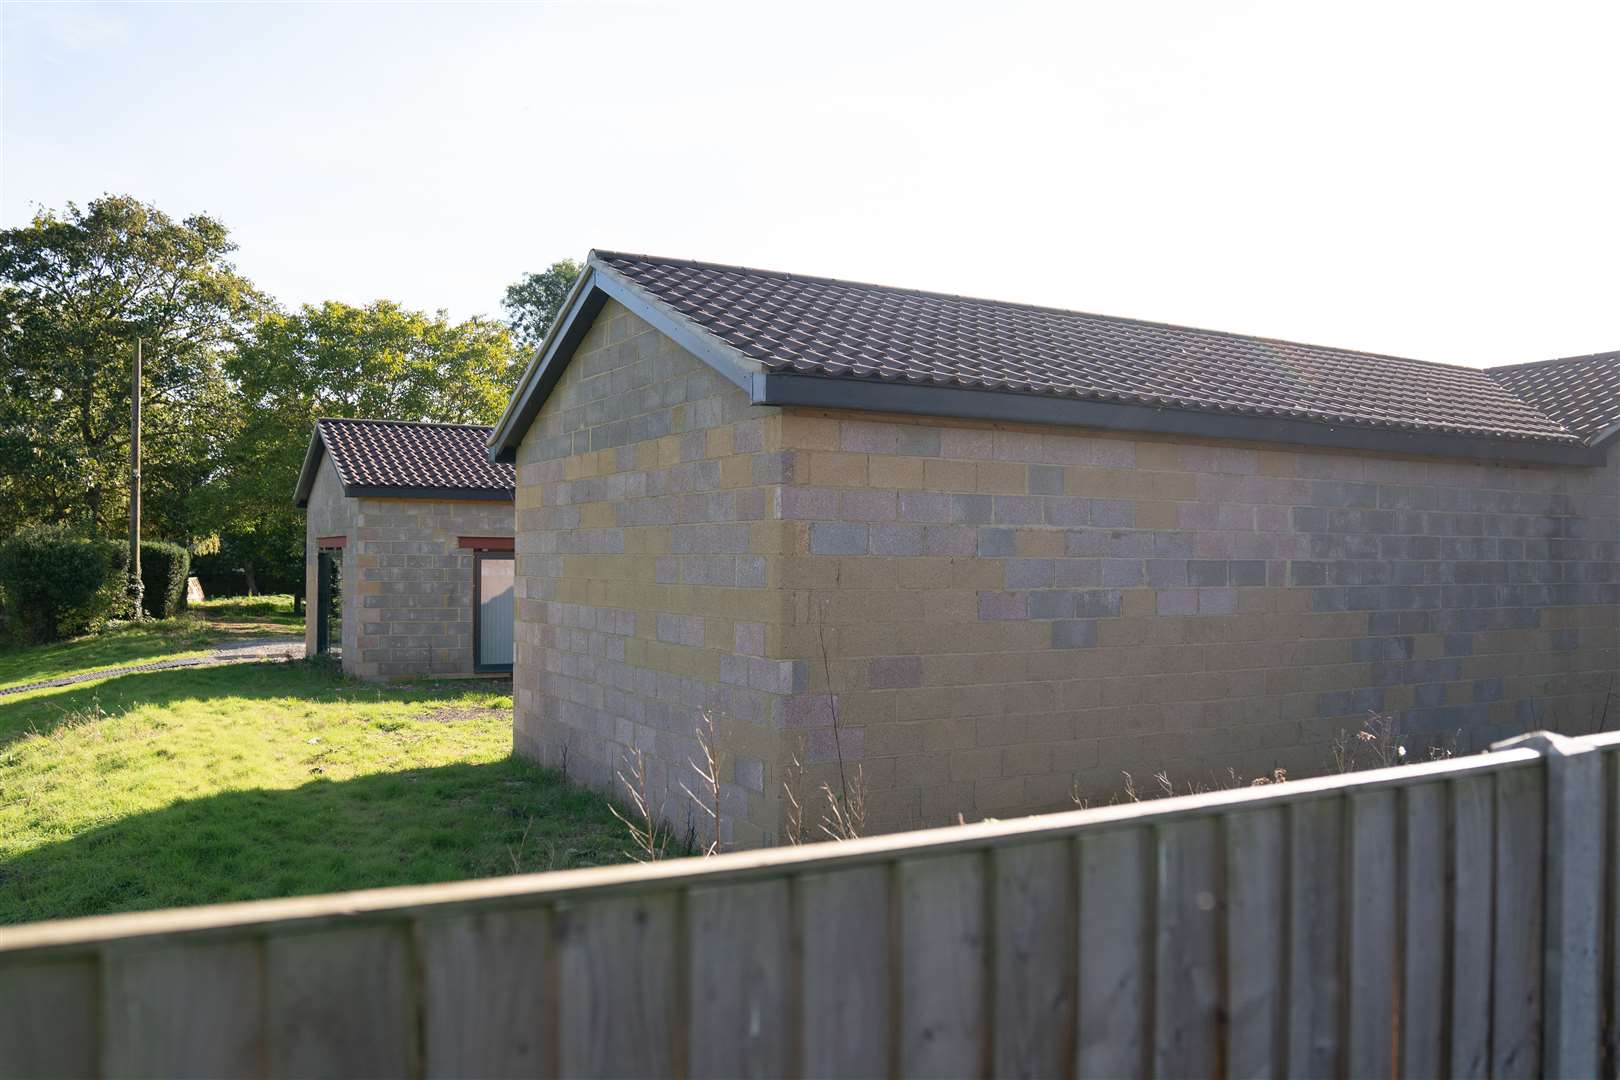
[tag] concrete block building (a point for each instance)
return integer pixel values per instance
(995, 554)
(408, 549)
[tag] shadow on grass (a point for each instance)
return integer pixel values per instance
(409, 827)
(318, 680)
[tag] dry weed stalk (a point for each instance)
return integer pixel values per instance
(709, 773)
(845, 818)
(1377, 745)
(651, 839)
(795, 805)
(516, 854)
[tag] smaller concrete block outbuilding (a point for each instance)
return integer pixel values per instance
(408, 549)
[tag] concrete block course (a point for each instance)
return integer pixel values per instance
(986, 617)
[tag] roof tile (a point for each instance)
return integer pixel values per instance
(1580, 392)
(398, 454)
(829, 328)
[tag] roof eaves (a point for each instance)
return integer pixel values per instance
(736, 366)
(543, 370)
(311, 466)
(595, 286)
(414, 491)
(1604, 436)
(813, 391)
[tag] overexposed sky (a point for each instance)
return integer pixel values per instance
(1430, 179)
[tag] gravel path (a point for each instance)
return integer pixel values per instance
(235, 652)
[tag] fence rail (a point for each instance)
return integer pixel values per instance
(1449, 918)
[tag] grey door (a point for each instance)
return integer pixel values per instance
(493, 600)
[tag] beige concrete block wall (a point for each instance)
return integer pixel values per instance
(1013, 615)
(650, 579)
(410, 597)
(329, 513)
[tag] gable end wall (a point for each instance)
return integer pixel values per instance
(650, 580)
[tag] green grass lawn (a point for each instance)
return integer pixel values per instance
(199, 785)
(268, 614)
(128, 644)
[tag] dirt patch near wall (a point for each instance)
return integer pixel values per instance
(462, 714)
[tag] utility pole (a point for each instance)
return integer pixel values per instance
(136, 590)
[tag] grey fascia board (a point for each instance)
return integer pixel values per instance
(312, 462)
(910, 398)
(543, 369)
(730, 362)
(1604, 437)
(595, 285)
(447, 494)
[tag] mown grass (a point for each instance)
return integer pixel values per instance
(200, 785)
(129, 644)
(267, 613)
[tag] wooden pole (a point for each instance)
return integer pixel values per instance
(136, 589)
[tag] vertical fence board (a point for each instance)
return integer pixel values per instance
(739, 980)
(1034, 955)
(183, 1010)
(1370, 952)
(1518, 936)
(1473, 843)
(1254, 911)
(484, 994)
(1425, 811)
(1187, 976)
(616, 959)
(942, 966)
(1315, 951)
(1574, 901)
(844, 943)
(48, 1018)
(341, 1002)
(1611, 875)
(1115, 952)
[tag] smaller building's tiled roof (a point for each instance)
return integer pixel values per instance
(852, 331)
(407, 460)
(1580, 392)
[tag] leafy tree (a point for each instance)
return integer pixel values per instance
(338, 360)
(533, 303)
(76, 288)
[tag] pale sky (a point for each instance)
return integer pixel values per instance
(1428, 179)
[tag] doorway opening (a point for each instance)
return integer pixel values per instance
(329, 602)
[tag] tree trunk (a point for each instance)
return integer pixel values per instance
(298, 601)
(252, 582)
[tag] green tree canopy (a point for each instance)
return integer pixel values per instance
(334, 359)
(77, 286)
(533, 303)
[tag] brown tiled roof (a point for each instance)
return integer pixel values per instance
(1580, 392)
(823, 327)
(433, 460)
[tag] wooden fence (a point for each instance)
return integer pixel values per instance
(1448, 918)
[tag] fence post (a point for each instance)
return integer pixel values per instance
(1571, 1035)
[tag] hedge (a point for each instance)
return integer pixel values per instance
(164, 568)
(58, 583)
